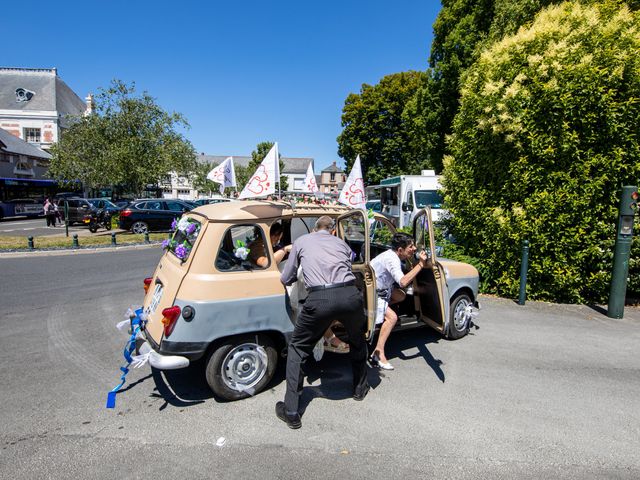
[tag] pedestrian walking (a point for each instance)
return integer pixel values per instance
(49, 212)
(326, 271)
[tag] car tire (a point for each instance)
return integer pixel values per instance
(458, 318)
(139, 227)
(242, 366)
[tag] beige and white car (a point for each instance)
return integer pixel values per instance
(207, 299)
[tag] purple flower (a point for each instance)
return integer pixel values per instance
(191, 228)
(181, 252)
(174, 224)
(165, 244)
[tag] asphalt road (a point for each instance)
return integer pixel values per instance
(540, 391)
(35, 227)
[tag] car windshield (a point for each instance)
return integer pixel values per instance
(428, 198)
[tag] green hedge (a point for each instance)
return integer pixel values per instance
(546, 134)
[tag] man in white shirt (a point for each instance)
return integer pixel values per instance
(388, 269)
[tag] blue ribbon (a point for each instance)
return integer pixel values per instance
(129, 348)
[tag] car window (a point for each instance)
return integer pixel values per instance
(354, 233)
(301, 226)
(72, 203)
(428, 198)
(152, 206)
(380, 234)
(240, 247)
(175, 206)
(183, 238)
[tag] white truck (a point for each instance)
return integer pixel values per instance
(403, 196)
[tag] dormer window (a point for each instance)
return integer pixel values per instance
(23, 95)
(32, 135)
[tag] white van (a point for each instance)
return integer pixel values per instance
(403, 196)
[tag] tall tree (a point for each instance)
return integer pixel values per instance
(374, 127)
(546, 134)
(129, 140)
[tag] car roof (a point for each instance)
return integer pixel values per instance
(263, 209)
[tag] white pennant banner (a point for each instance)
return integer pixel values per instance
(263, 181)
(310, 180)
(353, 193)
(224, 174)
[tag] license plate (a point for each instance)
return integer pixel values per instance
(155, 300)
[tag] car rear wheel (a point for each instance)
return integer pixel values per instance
(139, 227)
(242, 366)
(459, 317)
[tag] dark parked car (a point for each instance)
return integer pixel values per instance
(208, 201)
(148, 215)
(105, 204)
(78, 208)
(122, 202)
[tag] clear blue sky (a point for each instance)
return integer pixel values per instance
(241, 72)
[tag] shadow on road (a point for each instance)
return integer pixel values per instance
(330, 378)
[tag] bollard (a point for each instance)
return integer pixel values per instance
(75, 240)
(30, 239)
(113, 240)
(523, 272)
(146, 237)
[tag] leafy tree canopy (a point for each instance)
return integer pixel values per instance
(129, 140)
(545, 136)
(374, 128)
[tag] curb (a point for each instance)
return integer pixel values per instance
(80, 250)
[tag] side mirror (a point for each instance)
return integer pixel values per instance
(405, 207)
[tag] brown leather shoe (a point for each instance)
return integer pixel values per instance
(292, 421)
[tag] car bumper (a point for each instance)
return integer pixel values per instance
(155, 359)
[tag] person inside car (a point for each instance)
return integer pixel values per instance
(258, 252)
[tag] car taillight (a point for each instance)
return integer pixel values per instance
(125, 213)
(169, 317)
(147, 283)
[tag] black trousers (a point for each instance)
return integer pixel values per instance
(320, 309)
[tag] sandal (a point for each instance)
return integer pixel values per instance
(334, 344)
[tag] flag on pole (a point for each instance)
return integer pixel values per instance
(263, 181)
(310, 181)
(352, 193)
(224, 174)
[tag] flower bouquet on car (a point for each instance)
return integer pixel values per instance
(185, 233)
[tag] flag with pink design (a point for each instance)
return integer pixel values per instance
(352, 193)
(263, 181)
(310, 181)
(224, 174)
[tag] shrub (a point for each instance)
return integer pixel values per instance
(546, 134)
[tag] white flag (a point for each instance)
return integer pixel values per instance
(310, 180)
(352, 193)
(263, 181)
(224, 174)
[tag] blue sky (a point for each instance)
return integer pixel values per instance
(241, 72)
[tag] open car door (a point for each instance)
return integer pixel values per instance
(432, 290)
(353, 228)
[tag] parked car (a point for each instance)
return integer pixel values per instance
(105, 204)
(148, 215)
(78, 208)
(206, 299)
(122, 202)
(209, 201)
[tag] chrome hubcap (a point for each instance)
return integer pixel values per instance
(460, 316)
(244, 366)
(139, 228)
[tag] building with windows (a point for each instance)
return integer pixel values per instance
(332, 179)
(20, 159)
(35, 104)
(175, 186)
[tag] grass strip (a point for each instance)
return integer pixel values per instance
(22, 243)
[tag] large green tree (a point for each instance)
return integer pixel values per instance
(374, 127)
(129, 140)
(546, 133)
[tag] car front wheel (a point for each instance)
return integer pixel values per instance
(139, 227)
(242, 366)
(459, 317)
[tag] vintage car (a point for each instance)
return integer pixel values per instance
(207, 299)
